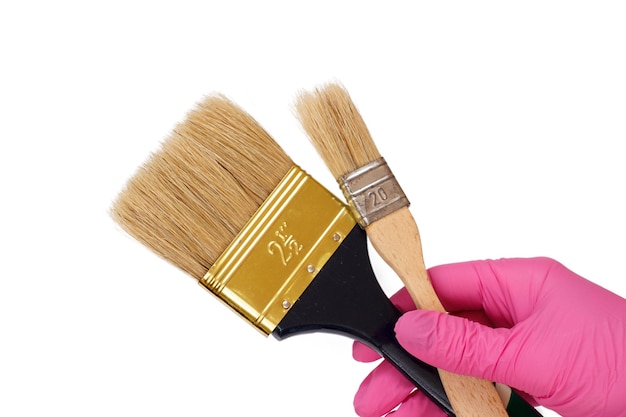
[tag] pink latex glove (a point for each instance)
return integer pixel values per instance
(535, 326)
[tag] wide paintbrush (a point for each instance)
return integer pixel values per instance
(223, 202)
(341, 137)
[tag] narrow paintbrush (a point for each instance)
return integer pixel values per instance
(339, 134)
(223, 202)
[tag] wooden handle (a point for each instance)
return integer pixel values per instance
(396, 238)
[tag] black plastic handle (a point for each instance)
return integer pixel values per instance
(346, 298)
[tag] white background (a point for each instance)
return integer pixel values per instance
(503, 121)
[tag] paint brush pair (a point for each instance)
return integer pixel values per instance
(222, 201)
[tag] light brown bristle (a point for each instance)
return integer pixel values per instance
(336, 129)
(191, 198)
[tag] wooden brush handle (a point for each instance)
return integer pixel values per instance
(396, 238)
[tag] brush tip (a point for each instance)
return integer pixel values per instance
(192, 196)
(336, 128)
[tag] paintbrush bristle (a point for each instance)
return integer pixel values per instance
(336, 129)
(190, 198)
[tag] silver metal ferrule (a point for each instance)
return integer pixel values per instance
(372, 192)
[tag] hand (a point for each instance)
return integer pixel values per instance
(531, 324)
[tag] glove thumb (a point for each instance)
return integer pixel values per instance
(452, 343)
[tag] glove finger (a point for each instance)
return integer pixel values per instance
(381, 391)
(455, 344)
(363, 353)
(417, 405)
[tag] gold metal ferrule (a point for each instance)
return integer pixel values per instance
(280, 250)
(372, 192)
